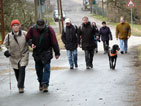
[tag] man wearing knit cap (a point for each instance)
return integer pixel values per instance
(43, 40)
(16, 48)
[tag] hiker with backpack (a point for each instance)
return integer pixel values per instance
(69, 38)
(16, 48)
(42, 39)
(86, 33)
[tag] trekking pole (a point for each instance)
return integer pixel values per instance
(9, 76)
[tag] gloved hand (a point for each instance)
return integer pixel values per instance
(7, 54)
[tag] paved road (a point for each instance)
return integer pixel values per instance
(97, 87)
(80, 87)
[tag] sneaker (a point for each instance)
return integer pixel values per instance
(45, 88)
(122, 52)
(126, 52)
(21, 90)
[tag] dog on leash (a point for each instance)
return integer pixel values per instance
(112, 54)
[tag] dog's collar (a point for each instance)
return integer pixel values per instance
(111, 54)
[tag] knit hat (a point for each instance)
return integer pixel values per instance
(15, 22)
(40, 23)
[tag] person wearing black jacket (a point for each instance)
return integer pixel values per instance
(86, 34)
(106, 35)
(69, 38)
(43, 40)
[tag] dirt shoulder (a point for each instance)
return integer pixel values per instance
(137, 65)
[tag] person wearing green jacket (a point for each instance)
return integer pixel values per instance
(123, 33)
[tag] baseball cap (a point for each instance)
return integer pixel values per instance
(67, 20)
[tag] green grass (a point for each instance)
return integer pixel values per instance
(0, 37)
(136, 30)
(139, 52)
(51, 21)
(101, 18)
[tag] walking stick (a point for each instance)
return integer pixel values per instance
(9, 64)
(9, 76)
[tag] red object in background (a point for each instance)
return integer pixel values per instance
(131, 4)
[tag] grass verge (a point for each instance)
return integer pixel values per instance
(136, 30)
(51, 21)
(139, 53)
(101, 18)
(61, 44)
(138, 57)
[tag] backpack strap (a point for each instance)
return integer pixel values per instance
(42, 35)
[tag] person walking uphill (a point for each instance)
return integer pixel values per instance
(42, 39)
(69, 38)
(106, 35)
(86, 32)
(96, 36)
(16, 48)
(123, 32)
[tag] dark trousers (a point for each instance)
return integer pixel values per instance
(106, 45)
(20, 76)
(43, 72)
(89, 54)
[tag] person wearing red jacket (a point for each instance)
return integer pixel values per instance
(42, 39)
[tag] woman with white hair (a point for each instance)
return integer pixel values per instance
(16, 48)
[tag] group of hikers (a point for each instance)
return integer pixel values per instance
(87, 35)
(42, 38)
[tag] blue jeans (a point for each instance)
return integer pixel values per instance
(124, 45)
(72, 57)
(43, 72)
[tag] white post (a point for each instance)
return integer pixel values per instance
(131, 18)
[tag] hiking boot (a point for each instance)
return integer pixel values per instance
(40, 87)
(21, 90)
(45, 88)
